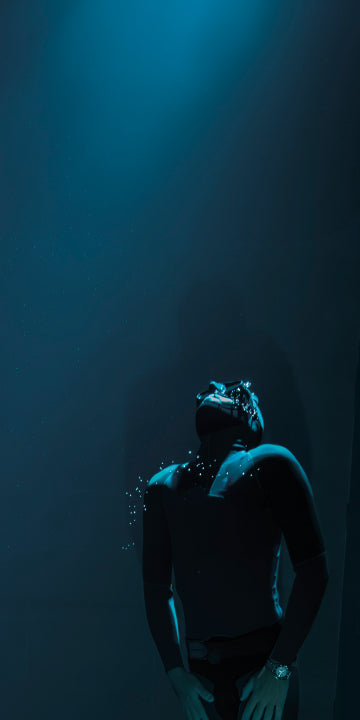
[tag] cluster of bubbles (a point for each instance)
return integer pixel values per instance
(132, 507)
(136, 502)
(137, 495)
(203, 469)
(244, 398)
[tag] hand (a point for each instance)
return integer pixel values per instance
(188, 688)
(267, 693)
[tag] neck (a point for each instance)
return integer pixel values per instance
(216, 446)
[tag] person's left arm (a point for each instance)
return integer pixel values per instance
(293, 506)
(291, 499)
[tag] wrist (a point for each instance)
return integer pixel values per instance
(279, 670)
(175, 670)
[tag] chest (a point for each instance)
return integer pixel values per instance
(229, 516)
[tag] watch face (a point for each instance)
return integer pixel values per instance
(281, 671)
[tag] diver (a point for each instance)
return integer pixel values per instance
(216, 524)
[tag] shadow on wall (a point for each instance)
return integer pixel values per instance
(72, 505)
(217, 340)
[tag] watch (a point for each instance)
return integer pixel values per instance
(281, 672)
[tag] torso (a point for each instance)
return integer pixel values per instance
(225, 547)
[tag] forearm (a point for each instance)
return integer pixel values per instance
(162, 620)
(303, 605)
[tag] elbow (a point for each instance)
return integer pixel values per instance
(157, 590)
(325, 569)
(316, 569)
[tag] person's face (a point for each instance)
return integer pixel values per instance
(225, 398)
(216, 395)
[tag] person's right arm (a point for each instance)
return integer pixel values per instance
(159, 604)
(156, 573)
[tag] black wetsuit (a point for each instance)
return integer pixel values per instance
(222, 541)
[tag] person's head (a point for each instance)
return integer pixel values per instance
(230, 405)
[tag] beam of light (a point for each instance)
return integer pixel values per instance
(131, 72)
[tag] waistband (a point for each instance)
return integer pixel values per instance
(258, 642)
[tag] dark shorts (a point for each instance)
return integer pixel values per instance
(224, 671)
